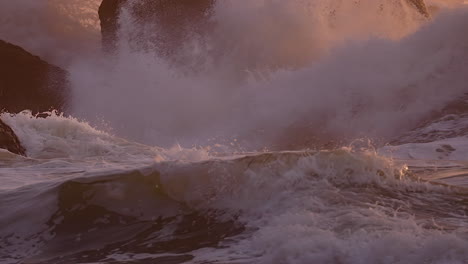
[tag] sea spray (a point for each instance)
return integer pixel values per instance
(368, 83)
(84, 195)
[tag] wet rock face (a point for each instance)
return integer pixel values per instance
(9, 141)
(108, 15)
(421, 6)
(174, 19)
(27, 82)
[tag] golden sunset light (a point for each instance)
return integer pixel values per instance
(233, 132)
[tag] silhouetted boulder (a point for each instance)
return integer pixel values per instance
(9, 141)
(27, 82)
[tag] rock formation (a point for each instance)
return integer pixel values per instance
(9, 141)
(173, 18)
(27, 82)
(108, 14)
(421, 6)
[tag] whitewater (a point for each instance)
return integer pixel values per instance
(299, 131)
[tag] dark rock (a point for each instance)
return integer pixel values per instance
(27, 82)
(109, 11)
(421, 6)
(174, 19)
(9, 141)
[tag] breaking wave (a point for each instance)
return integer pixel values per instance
(267, 74)
(341, 205)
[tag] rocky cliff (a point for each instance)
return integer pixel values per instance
(28, 82)
(171, 18)
(174, 18)
(108, 14)
(421, 6)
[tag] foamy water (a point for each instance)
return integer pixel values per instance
(285, 207)
(271, 76)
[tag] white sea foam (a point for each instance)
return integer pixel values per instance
(297, 217)
(60, 148)
(298, 207)
(454, 149)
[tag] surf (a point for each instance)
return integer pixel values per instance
(283, 132)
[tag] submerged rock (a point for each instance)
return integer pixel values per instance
(9, 141)
(28, 82)
(449, 122)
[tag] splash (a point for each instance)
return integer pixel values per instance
(275, 74)
(330, 71)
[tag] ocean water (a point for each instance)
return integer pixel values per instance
(290, 134)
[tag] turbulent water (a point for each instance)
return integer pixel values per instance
(269, 144)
